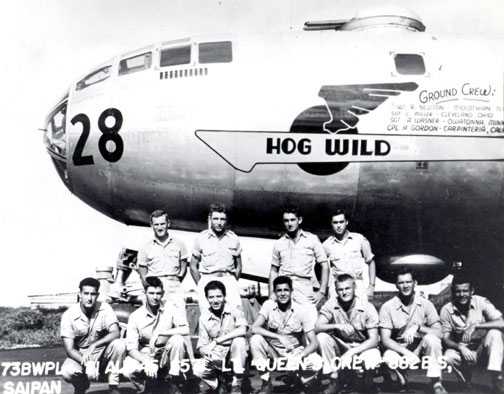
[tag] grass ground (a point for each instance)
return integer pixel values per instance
(27, 327)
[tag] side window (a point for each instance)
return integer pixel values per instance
(175, 56)
(96, 76)
(135, 63)
(215, 52)
(409, 64)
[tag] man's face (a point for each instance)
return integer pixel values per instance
(218, 222)
(405, 284)
(160, 226)
(283, 293)
(88, 297)
(154, 296)
(339, 224)
(462, 294)
(291, 222)
(345, 290)
(216, 299)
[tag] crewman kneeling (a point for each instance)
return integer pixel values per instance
(155, 342)
(472, 328)
(280, 331)
(410, 329)
(222, 330)
(348, 334)
(90, 333)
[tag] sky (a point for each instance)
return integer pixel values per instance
(50, 239)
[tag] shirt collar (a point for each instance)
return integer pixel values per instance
(301, 233)
(148, 313)
(454, 308)
(226, 311)
(81, 315)
(166, 242)
(276, 307)
(211, 233)
(416, 300)
(347, 235)
(357, 305)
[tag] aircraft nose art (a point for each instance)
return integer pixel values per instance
(55, 139)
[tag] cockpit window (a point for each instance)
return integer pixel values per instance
(175, 56)
(215, 52)
(96, 76)
(409, 64)
(135, 63)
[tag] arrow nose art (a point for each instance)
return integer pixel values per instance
(344, 106)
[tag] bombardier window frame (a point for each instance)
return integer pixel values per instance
(55, 136)
(215, 52)
(125, 69)
(105, 73)
(182, 55)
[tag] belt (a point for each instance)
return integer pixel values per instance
(170, 277)
(217, 273)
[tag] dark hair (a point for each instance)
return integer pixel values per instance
(153, 281)
(404, 271)
(217, 208)
(461, 278)
(344, 277)
(339, 211)
(291, 209)
(158, 213)
(215, 285)
(280, 280)
(89, 282)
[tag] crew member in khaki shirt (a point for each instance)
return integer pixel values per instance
(350, 253)
(222, 330)
(90, 333)
(410, 328)
(164, 257)
(348, 327)
(280, 331)
(217, 256)
(154, 340)
(472, 327)
(295, 255)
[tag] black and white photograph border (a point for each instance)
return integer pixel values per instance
(56, 230)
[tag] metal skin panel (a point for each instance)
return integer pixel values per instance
(276, 83)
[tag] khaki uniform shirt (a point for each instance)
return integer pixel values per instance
(144, 327)
(211, 326)
(298, 257)
(294, 323)
(395, 316)
(351, 255)
(84, 331)
(162, 258)
(455, 322)
(217, 254)
(361, 316)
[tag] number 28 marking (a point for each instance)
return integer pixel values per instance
(108, 134)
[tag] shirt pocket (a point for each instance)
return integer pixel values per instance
(213, 330)
(151, 258)
(80, 330)
(307, 252)
(273, 325)
(210, 250)
(172, 252)
(284, 252)
(359, 324)
(294, 326)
